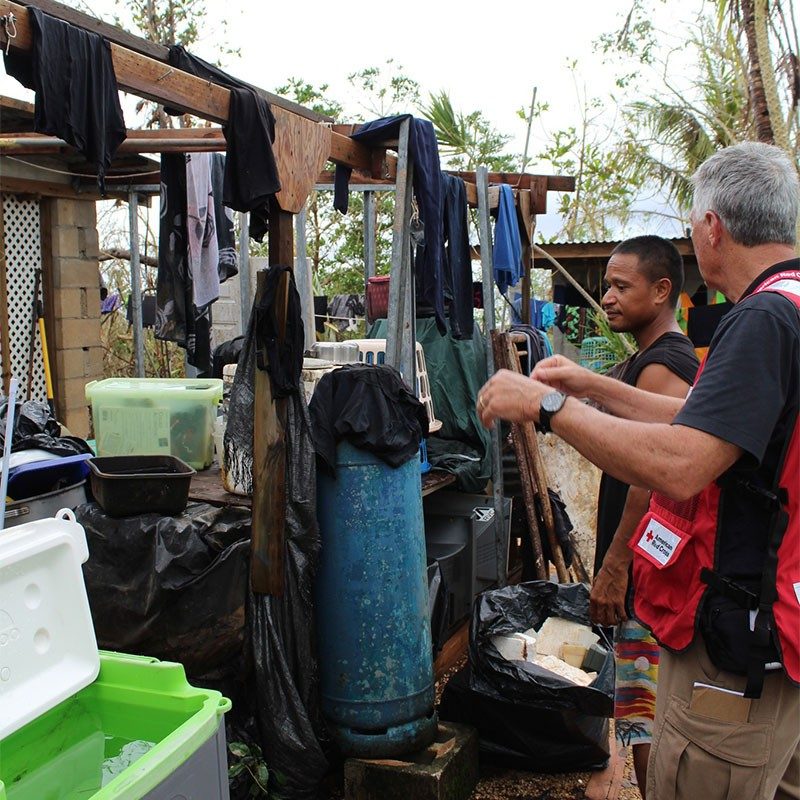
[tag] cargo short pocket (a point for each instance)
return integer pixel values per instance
(698, 757)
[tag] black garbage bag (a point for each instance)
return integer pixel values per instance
(518, 608)
(170, 587)
(438, 604)
(36, 427)
(513, 736)
(286, 696)
(282, 632)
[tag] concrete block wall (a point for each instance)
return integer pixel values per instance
(76, 352)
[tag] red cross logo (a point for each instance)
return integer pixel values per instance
(649, 536)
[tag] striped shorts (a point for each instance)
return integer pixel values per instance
(637, 654)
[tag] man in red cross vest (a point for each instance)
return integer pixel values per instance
(717, 556)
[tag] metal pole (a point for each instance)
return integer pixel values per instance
(370, 231)
(400, 340)
(136, 285)
(245, 279)
(485, 231)
(303, 278)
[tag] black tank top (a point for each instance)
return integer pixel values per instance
(676, 352)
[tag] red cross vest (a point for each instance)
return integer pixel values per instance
(676, 567)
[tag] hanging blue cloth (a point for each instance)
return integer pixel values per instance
(507, 252)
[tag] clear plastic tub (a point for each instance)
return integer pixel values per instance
(156, 416)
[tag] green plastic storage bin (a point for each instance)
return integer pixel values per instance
(156, 416)
(139, 732)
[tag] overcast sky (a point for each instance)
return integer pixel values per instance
(488, 56)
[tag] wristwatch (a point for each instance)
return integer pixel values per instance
(549, 406)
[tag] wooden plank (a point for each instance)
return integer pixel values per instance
(606, 784)
(144, 47)
(14, 185)
(301, 150)
(206, 487)
(453, 650)
(436, 479)
(524, 180)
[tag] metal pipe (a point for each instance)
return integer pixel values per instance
(485, 230)
(303, 279)
(245, 279)
(136, 285)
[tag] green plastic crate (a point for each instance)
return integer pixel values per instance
(137, 706)
(156, 417)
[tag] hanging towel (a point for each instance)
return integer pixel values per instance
(251, 173)
(423, 149)
(201, 230)
(77, 98)
(507, 251)
(223, 218)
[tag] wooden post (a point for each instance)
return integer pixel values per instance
(485, 232)
(136, 286)
(269, 436)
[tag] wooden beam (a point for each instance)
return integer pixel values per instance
(161, 83)
(524, 180)
(152, 50)
(52, 188)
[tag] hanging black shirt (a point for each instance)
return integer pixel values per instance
(675, 352)
(77, 98)
(251, 173)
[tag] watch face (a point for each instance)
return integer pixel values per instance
(552, 402)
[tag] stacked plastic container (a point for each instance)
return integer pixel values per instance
(77, 723)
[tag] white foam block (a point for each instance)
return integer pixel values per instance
(556, 632)
(564, 670)
(511, 646)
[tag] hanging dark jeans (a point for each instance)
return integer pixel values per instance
(457, 264)
(423, 149)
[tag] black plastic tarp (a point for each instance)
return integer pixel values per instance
(169, 587)
(36, 427)
(282, 639)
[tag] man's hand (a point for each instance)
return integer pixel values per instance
(607, 599)
(510, 396)
(560, 373)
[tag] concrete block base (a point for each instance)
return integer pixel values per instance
(447, 770)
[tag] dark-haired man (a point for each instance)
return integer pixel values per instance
(644, 278)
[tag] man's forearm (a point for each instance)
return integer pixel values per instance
(628, 402)
(619, 555)
(638, 453)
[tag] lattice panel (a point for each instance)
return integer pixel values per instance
(22, 233)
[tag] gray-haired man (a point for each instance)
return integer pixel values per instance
(717, 557)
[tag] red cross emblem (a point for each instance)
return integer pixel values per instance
(649, 536)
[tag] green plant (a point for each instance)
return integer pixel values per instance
(616, 346)
(250, 763)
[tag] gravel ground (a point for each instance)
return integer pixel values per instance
(497, 783)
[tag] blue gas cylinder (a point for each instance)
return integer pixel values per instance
(372, 617)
